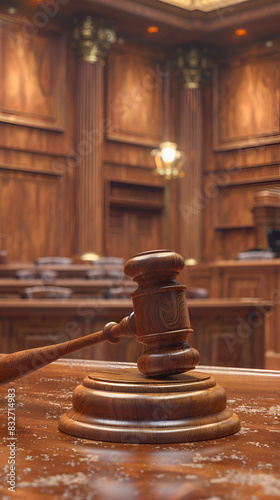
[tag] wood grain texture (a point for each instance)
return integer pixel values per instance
(243, 327)
(89, 140)
(249, 279)
(36, 143)
(19, 364)
(189, 214)
(93, 288)
(134, 217)
(245, 155)
(160, 320)
(37, 211)
(247, 102)
(32, 87)
(135, 98)
(182, 408)
(161, 313)
(51, 464)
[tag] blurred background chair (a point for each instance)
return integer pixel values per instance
(197, 293)
(57, 261)
(33, 274)
(47, 292)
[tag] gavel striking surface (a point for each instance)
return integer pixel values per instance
(124, 406)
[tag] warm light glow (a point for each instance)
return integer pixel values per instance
(240, 32)
(153, 29)
(169, 160)
(168, 154)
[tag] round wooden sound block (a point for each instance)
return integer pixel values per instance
(122, 405)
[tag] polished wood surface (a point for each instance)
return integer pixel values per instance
(161, 313)
(171, 409)
(51, 464)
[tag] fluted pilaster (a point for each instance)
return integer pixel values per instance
(92, 40)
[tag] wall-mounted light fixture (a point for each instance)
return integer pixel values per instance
(169, 160)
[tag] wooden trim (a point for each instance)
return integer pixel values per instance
(31, 170)
(243, 182)
(232, 228)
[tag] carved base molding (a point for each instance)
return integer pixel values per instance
(121, 405)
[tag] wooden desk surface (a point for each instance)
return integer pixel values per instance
(57, 306)
(250, 263)
(73, 270)
(53, 465)
(13, 285)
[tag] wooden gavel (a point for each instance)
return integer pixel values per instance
(160, 320)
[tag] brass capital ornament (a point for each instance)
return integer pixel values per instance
(92, 39)
(193, 66)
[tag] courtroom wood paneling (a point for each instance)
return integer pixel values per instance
(229, 214)
(33, 77)
(247, 100)
(227, 332)
(139, 104)
(31, 214)
(241, 279)
(37, 170)
(134, 215)
(242, 116)
(135, 97)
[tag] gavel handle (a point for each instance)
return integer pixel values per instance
(18, 364)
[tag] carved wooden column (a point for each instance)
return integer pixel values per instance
(92, 39)
(191, 65)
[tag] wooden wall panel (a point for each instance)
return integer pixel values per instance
(247, 101)
(37, 151)
(242, 111)
(135, 217)
(135, 98)
(133, 231)
(30, 207)
(138, 108)
(32, 77)
(229, 214)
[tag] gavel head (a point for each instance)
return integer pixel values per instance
(161, 313)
